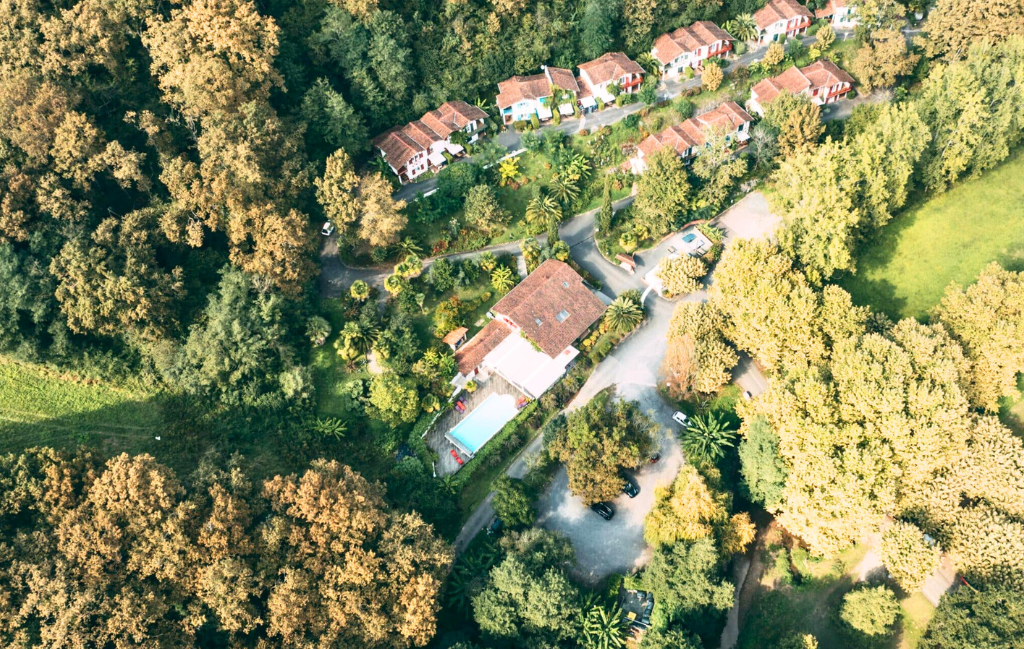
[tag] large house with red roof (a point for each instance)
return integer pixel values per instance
(781, 18)
(529, 340)
(687, 138)
(841, 14)
(522, 97)
(608, 69)
(420, 145)
(688, 47)
(823, 81)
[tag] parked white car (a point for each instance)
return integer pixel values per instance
(681, 419)
(328, 229)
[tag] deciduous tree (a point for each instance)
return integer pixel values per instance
(601, 439)
(663, 193)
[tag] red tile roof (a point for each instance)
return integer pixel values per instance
(823, 74)
(397, 146)
(688, 39)
(820, 74)
(609, 67)
(455, 335)
(777, 10)
(726, 117)
(534, 86)
(552, 306)
(473, 352)
(830, 8)
(452, 116)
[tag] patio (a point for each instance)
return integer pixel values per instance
(435, 439)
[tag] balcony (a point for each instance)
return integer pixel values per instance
(632, 83)
(720, 49)
(800, 24)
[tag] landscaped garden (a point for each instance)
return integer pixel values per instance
(949, 237)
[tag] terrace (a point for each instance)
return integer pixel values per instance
(436, 437)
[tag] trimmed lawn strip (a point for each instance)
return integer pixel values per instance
(948, 237)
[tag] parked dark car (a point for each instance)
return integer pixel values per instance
(604, 510)
(495, 526)
(630, 489)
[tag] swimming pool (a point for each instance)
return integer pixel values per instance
(480, 425)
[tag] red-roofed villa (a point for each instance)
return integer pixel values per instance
(781, 18)
(690, 47)
(686, 139)
(823, 81)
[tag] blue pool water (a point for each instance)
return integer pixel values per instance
(487, 419)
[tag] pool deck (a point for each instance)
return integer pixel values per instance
(435, 439)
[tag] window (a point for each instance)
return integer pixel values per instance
(562, 315)
(565, 284)
(538, 321)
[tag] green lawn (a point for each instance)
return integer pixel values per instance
(41, 408)
(949, 237)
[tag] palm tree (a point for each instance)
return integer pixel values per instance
(623, 315)
(359, 290)
(564, 188)
(707, 437)
(380, 164)
(501, 279)
(743, 27)
(603, 628)
(394, 284)
(650, 64)
(330, 427)
(409, 246)
(488, 261)
(542, 209)
(358, 337)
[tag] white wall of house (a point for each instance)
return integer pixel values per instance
(778, 28)
(601, 91)
(845, 18)
(693, 58)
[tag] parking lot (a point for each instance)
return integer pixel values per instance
(617, 546)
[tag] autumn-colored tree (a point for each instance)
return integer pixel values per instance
(693, 508)
(382, 222)
(601, 439)
(213, 56)
(825, 37)
(882, 59)
(773, 55)
(328, 523)
(337, 191)
(697, 357)
(954, 25)
(801, 130)
(483, 211)
(681, 275)
(711, 77)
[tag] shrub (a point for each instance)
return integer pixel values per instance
(712, 77)
(520, 125)
(556, 117)
(631, 121)
(649, 94)
(739, 47)
(621, 100)
(689, 73)
(584, 132)
(534, 122)
(600, 103)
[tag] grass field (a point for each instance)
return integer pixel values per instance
(39, 407)
(949, 237)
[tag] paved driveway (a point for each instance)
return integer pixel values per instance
(617, 546)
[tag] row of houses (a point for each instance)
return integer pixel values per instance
(427, 143)
(823, 82)
(524, 97)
